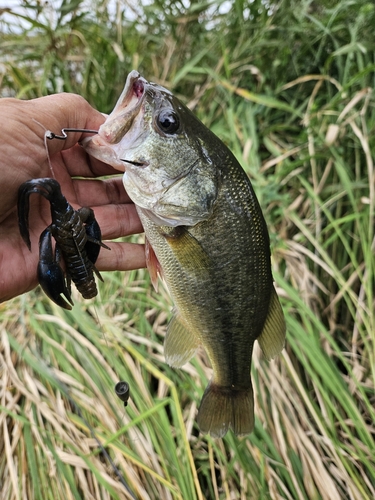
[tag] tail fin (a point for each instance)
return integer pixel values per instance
(224, 408)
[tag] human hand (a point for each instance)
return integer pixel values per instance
(23, 156)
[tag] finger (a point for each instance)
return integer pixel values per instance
(116, 221)
(100, 192)
(78, 163)
(121, 257)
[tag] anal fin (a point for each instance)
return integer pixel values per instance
(180, 343)
(272, 338)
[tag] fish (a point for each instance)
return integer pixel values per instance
(205, 236)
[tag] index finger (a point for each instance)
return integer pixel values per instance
(79, 164)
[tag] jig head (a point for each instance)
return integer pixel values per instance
(122, 391)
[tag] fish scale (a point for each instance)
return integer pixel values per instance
(206, 230)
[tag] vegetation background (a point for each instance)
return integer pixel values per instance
(288, 86)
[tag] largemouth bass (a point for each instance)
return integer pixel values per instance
(206, 235)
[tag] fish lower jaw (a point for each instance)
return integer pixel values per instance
(98, 148)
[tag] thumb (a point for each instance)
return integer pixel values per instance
(59, 111)
(22, 131)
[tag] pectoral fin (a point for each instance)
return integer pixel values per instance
(190, 253)
(272, 338)
(180, 343)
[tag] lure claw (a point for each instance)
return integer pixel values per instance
(50, 274)
(78, 242)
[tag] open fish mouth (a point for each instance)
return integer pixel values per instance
(127, 108)
(113, 137)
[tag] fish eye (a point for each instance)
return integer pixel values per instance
(168, 121)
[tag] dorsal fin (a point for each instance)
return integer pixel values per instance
(272, 338)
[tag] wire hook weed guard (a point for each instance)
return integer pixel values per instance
(51, 135)
(48, 134)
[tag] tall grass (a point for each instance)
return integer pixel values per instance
(288, 86)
